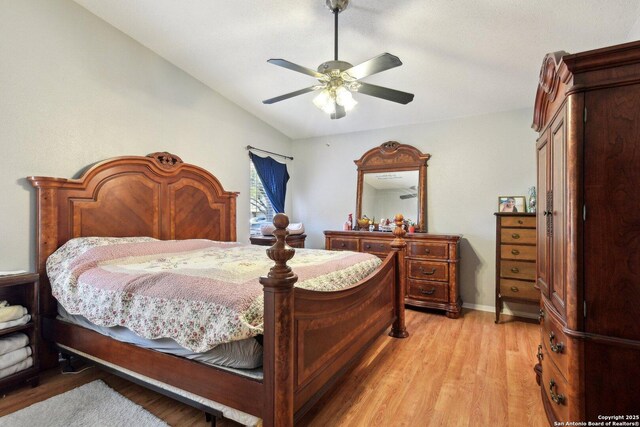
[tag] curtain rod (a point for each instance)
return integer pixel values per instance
(268, 152)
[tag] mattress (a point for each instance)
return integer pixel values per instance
(244, 355)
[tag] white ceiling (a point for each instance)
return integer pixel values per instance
(460, 57)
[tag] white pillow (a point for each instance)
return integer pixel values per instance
(294, 228)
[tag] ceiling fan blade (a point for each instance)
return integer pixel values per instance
(375, 65)
(291, 95)
(385, 93)
(295, 67)
(340, 112)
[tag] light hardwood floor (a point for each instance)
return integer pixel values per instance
(464, 372)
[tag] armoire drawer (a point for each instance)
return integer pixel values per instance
(518, 270)
(518, 252)
(376, 246)
(518, 236)
(344, 245)
(428, 270)
(428, 250)
(556, 390)
(427, 291)
(557, 344)
(519, 222)
(519, 289)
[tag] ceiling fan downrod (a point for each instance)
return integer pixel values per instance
(336, 6)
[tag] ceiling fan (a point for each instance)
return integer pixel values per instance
(338, 79)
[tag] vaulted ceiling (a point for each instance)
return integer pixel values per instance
(460, 57)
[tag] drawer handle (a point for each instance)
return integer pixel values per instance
(540, 356)
(342, 245)
(540, 315)
(514, 289)
(368, 246)
(515, 270)
(515, 236)
(427, 250)
(557, 398)
(428, 273)
(520, 222)
(515, 252)
(429, 292)
(556, 348)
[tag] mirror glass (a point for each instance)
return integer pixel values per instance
(384, 194)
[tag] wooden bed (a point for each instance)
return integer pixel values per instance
(310, 338)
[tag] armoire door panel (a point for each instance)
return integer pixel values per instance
(558, 221)
(542, 244)
(612, 200)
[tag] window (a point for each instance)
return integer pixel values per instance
(261, 210)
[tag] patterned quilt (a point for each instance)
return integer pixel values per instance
(200, 293)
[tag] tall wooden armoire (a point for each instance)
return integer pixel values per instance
(587, 112)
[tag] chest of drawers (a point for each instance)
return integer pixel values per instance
(432, 264)
(515, 259)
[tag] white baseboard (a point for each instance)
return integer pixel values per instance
(505, 310)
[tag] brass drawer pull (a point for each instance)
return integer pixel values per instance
(540, 356)
(520, 222)
(556, 348)
(342, 245)
(515, 252)
(515, 236)
(427, 250)
(429, 292)
(428, 273)
(557, 398)
(368, 246)
(514, 289)
(515, 270)
(540, 315)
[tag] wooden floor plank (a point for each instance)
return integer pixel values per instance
(464, 372)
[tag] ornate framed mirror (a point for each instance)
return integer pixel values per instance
(392, 178)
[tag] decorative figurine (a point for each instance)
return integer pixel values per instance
(532, 199)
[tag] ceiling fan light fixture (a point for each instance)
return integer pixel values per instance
(345, 98)
(325, 102)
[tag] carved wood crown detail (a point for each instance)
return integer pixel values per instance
(165, 159)
(552, 75)
(392, 153)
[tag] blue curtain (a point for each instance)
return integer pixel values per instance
(274, 177)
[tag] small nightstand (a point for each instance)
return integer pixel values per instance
(293, 240)
(22, 289)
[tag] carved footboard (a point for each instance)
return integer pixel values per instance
(311, 338)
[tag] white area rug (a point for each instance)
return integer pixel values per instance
(91, 405)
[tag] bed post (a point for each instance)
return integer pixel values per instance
(398, 245)
(278, 331)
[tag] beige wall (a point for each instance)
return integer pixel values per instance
(75, 90)
(474, 160)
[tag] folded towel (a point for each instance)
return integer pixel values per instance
(21, 321)
(15, 356)
(12, 312)
(13, 342)
(25, 364)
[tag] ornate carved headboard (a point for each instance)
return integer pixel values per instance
(157, 196)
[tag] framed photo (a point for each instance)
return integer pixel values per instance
(512, 204)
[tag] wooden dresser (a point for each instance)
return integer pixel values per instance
(515, 259)
(432, 264)
(587, 112)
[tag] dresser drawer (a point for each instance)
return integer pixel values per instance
(344, 245)
(518, 252)
(428, 291)
(557, 391)
(428, 270)
(557, 344)
(518, 235)
(519, 289)
(428, 250)
(518, 270)
(515, 221)
(376, 246)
